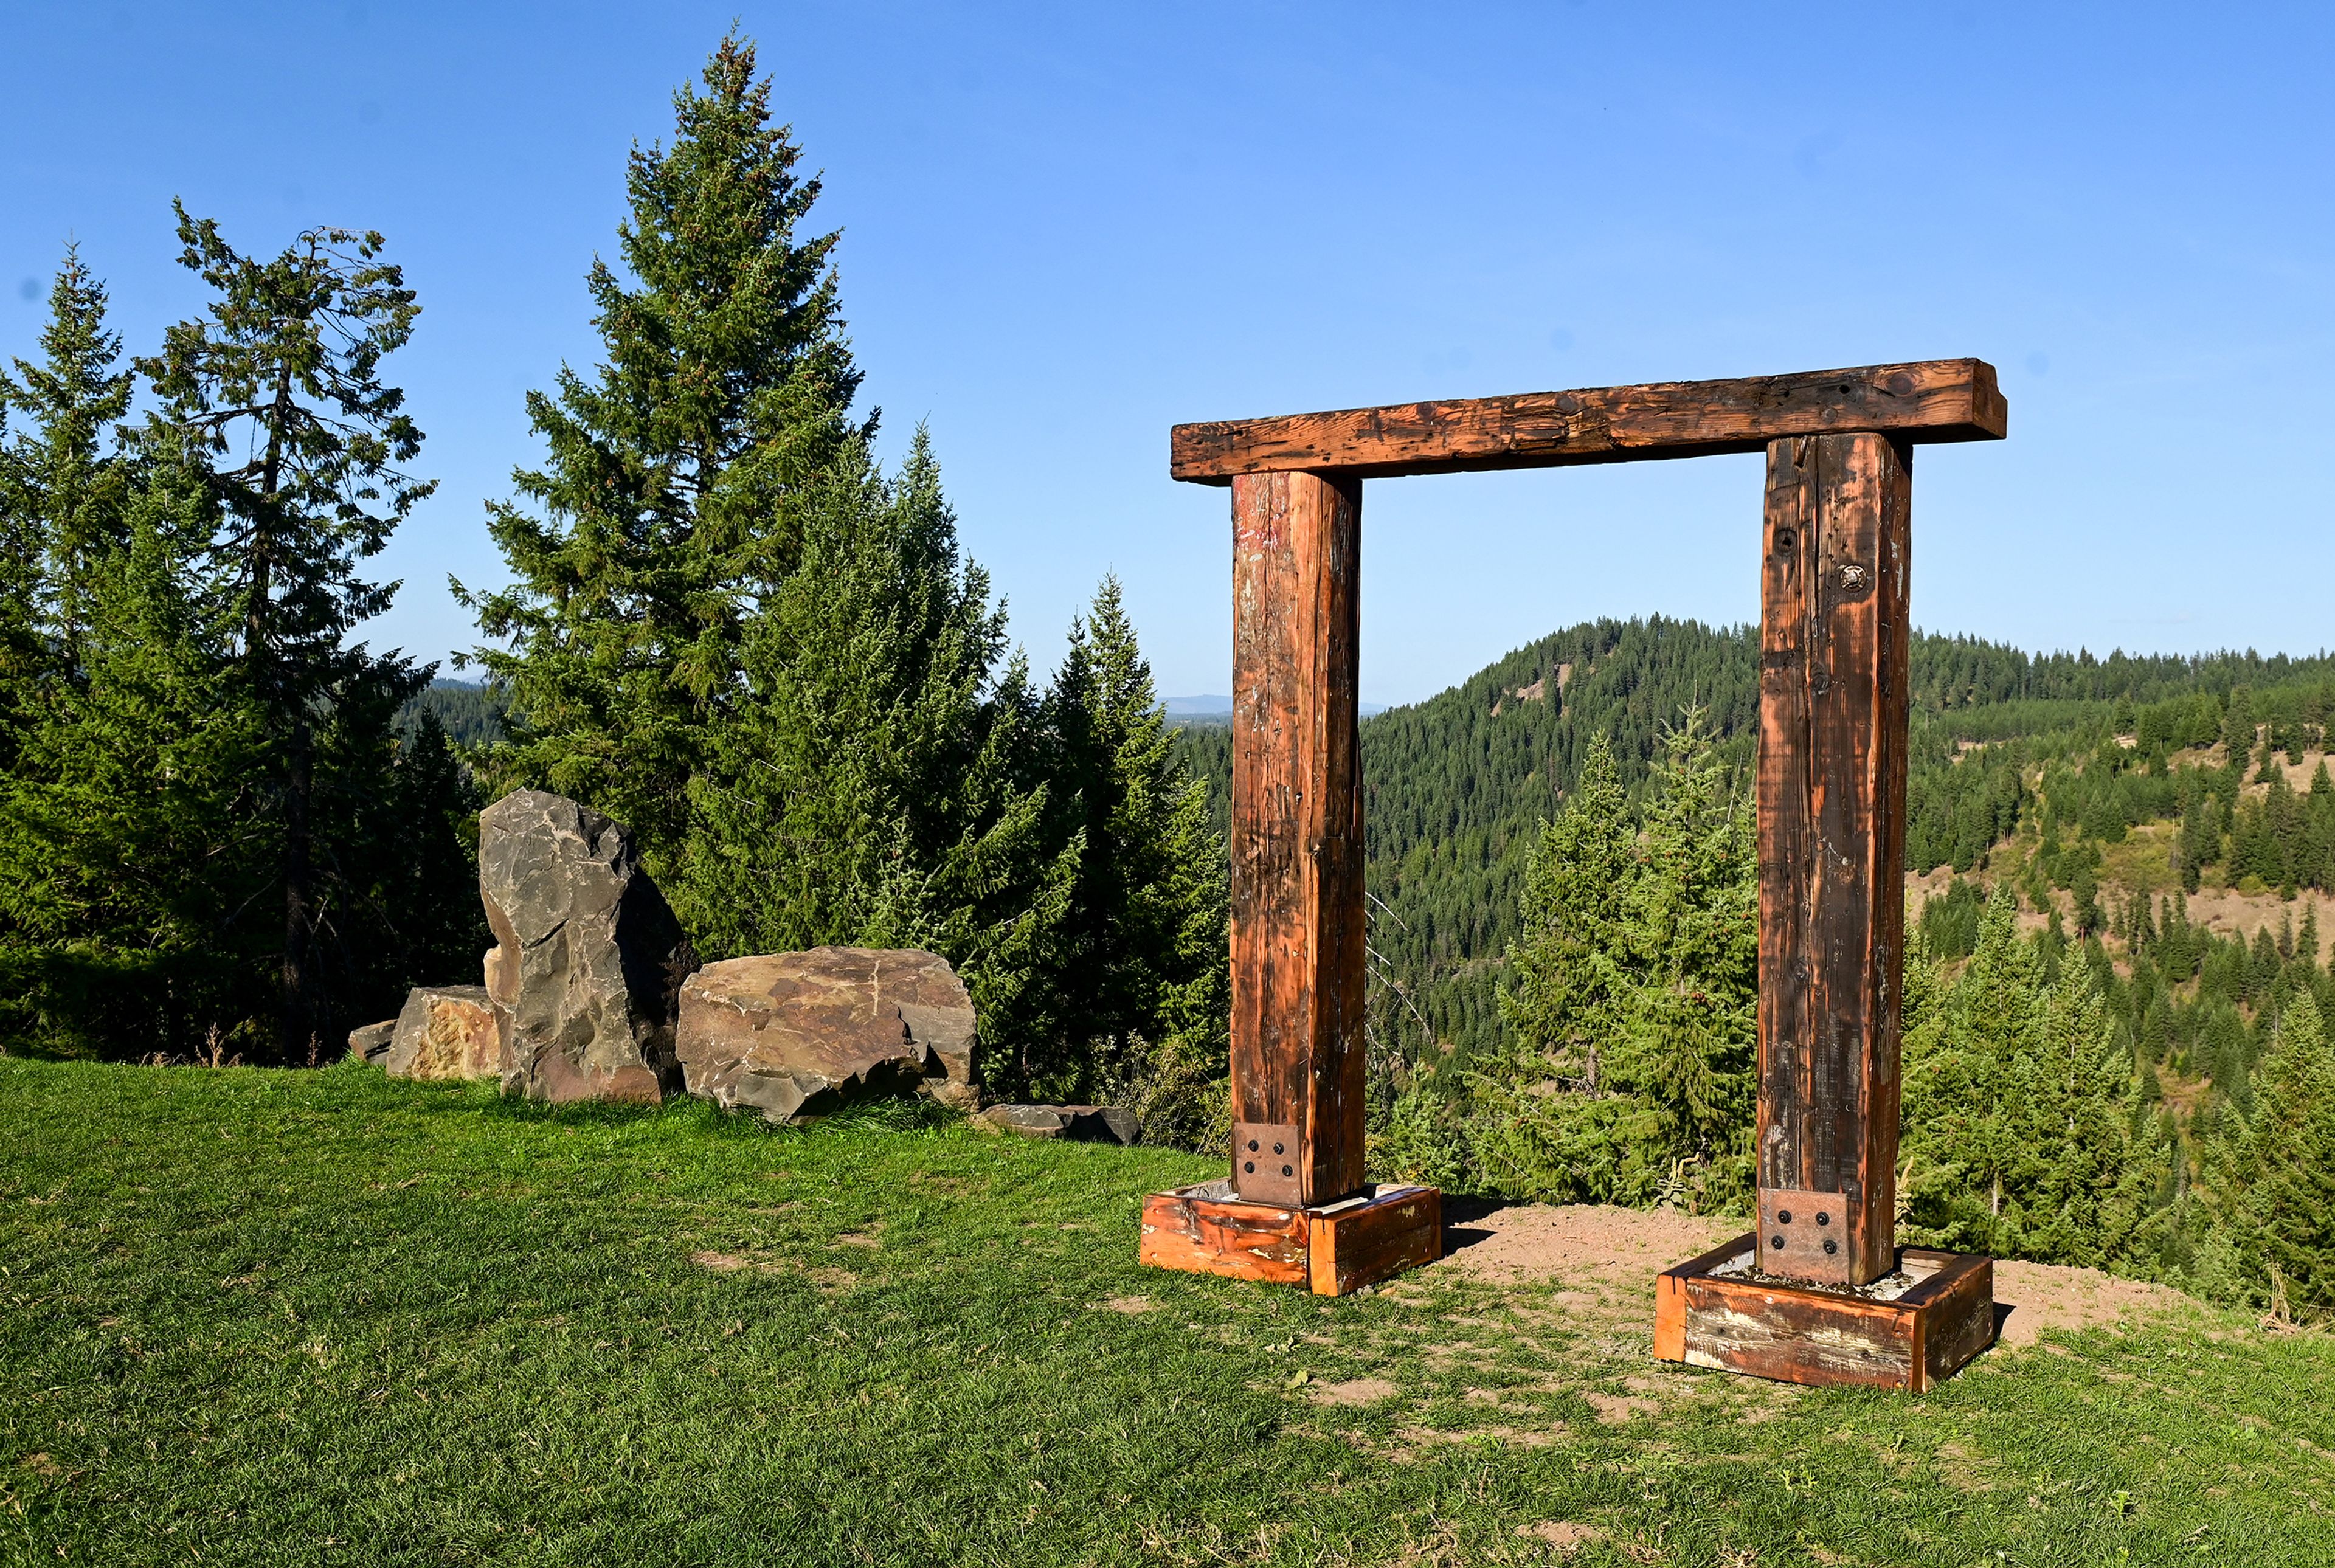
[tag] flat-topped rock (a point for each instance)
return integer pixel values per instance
(370, 1044)
(445, 1031)
(797, 1035)
(588, 962)
(1077, 1123)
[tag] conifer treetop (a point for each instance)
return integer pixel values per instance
(274, 395)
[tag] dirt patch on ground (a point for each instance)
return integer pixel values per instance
(1615, 1410)
(1587, 1242)
(1563, 1534)
(2052, 1296)
(1618, 1252)
(1128, 1304)
(1353, 1391)
(1412, 1443)
(2228, 913)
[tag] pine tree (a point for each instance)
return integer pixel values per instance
(673, 500)
(272, 403)
(119, 827)
(2238, 726)
(1632, 1009)
(2280, 1171)
(2198, 843)
(1962, 1148)
(881, 782)
(133, 848)
(63, 494)
(1143, 987)
(2084, 887)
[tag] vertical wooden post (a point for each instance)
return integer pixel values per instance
(1297, 925)
(1831, 820)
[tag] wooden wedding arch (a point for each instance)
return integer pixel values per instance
(1820, 1292)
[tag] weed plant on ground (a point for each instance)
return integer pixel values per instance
(254, 1317)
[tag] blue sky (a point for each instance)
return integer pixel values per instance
(1068, 227)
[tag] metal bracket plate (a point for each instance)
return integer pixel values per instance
(1267, 1168)
(1805, 1235)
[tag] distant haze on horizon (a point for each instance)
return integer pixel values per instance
(1068, 227)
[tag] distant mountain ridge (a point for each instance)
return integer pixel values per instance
(1457, 786)
(471, 714)
(1219, 710)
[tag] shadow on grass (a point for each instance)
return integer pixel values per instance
(872, 1115)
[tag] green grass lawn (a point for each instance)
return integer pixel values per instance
(282, 1317)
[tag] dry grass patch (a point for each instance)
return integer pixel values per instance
(1564, 1534)
(1353, 1391)
(1614, 1410)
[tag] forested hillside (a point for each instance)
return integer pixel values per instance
(471, 714)
(1459, 785)
(2116, 1047)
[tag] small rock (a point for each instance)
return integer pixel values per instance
(446, 1031)
(1077, 1123)
(371, 1043)
(797, 1035)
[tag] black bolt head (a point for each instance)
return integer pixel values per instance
(1278, 1150)
(1822, 1218)
(1784, 1216)
(1777, 1241)
(1250, 1167)
(1832, 1246)
(1287, 1171)
(1251, 1146)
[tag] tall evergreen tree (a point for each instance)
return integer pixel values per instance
(2277, 1167)
(672, 500)
(116, 851)
(272, 406)
(1142, 989)
(1634, 1012)
(2019, 1134)
(136, 846)
(880, 783)
(64, 488)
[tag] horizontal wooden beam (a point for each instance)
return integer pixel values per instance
(1939, 400)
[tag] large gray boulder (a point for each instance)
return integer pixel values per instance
(796, 1035)
(588, 960)
(446, 1031)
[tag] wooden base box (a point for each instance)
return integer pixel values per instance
(1332, 1248)
(1912, 1330)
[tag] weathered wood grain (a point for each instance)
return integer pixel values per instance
(1797, 1337)
(1954, 1314)
(1207, 1231)
(1360, 1244)
(1670, 1295)
(1805, 1334)
(1297, 926)
(1953, 399)
(1831, 804)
